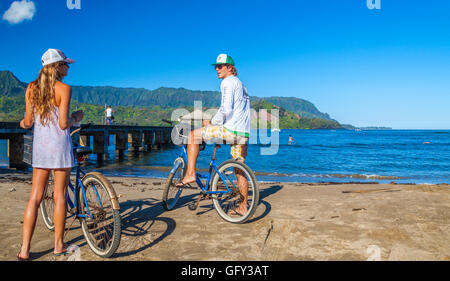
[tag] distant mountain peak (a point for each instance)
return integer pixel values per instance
(10, 85)
(6, 74)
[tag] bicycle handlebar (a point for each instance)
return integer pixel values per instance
(167, 121)
(80, 129)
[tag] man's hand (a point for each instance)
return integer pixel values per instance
(206, 123)
(78, 115)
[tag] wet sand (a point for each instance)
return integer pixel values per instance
(294, 221)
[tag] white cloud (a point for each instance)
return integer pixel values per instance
(20, 11)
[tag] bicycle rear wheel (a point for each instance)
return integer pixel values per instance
(171, 192)
(47, 204)
(238, 177)
(102, 229)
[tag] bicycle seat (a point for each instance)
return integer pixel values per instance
(201, 146)
(83, 150)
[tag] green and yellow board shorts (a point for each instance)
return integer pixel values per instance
(220, 135)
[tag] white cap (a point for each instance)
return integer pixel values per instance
(224, 59)
(54, 55)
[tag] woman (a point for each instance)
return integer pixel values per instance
(47, 107)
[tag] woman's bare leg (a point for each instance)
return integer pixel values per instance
(59, 217)
(39, 182)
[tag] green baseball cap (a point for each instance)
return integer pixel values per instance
(224, 59)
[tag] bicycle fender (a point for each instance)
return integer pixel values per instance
(177, 164)
(111, 191)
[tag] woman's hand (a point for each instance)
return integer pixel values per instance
(27, 121)
(78, 115)
(22, 124)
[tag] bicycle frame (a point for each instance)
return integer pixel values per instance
(198, 176)
(75, 190)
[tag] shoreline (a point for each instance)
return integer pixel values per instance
(315, 179)
(364, 178)
(273, 177)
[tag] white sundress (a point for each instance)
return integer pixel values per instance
(52, 147)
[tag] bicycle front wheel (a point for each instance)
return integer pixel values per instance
(243, 190)
(171, 192)
(99, 215)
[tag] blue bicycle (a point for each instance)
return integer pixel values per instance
(228, 185)
(93, 201)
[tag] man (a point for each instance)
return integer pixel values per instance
(231, 124)
(109, 115)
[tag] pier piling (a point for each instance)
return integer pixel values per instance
(141, 138)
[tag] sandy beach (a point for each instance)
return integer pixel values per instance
(294, 221)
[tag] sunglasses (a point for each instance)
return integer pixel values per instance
(219, 66)
(66, 64)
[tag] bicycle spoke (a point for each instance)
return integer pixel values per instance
(100, 224)
(171, 192)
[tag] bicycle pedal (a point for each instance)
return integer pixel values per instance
(190, 187)
(194, 204)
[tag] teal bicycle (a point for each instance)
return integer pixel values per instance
(228, 185)
(93, 201)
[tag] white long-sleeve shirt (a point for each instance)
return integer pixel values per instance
(234, 111)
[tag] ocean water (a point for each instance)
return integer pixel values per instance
(383, 156)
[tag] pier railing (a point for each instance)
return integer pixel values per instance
(134, 138)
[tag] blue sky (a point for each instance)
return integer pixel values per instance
(387, 67)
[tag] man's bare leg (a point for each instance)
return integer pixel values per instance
(243, 189)
(195, 138)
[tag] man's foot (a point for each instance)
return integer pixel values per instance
(237, 212)
(186, 182)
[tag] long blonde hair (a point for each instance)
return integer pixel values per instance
(42, 94)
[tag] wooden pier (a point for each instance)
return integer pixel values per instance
(132, 138)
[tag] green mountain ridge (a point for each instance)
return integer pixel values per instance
(299, 106)
(163, 96)
(135, 106)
